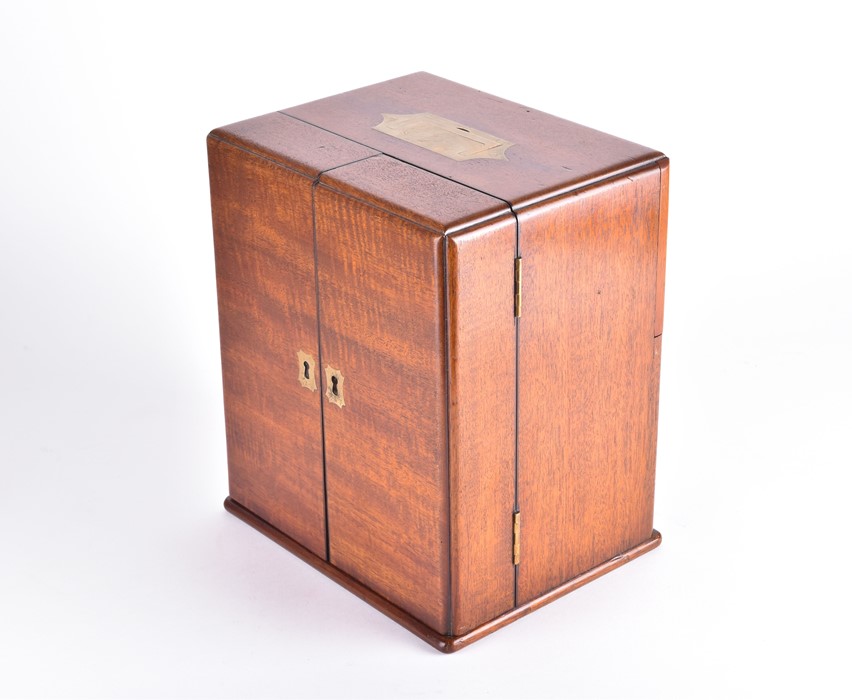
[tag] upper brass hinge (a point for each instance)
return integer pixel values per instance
(516, 538)
(517, 287)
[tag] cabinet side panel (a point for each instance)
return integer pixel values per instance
(381, 290)
(482, 422)
(586, 378)
(645, 498)
(661, 245)
(263, 235)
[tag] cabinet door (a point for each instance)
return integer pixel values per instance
(263, 234)
(587, 379)
(481, 281)
(382, 336)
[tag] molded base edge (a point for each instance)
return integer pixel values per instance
(441, 642)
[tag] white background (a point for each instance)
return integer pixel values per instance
(120, 573)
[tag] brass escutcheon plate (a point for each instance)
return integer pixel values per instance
(307, 370)
(334, 386)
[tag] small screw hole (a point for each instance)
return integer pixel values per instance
(334, 385)
(307, 370)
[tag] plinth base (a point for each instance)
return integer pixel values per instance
(441, 642)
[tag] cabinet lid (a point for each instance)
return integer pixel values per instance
(292, 143)
(512, 152)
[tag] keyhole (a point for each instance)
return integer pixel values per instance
(307, 370)
(334, 385)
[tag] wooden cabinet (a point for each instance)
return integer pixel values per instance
(440, 322)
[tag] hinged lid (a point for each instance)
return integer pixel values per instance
(512, 152)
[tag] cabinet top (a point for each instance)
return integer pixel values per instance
(512, 152)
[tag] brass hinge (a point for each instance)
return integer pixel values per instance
(516, 538)
(517, 287)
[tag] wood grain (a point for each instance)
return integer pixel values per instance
(482, 421)
(392, 267)
(263, 236)
(662, 245)
(382, 297)
(434, 203)
(550, 155)
(646, 487)
(292, 143)
(586, 367)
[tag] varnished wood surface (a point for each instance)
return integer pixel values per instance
(550, 155)
(292, 143)
(373, 256)
(263, 236)
(432, 202)
(482, 421)
(381, 292)
(444, 643)
(586, 368)
(646, 488)
(662, 245)
(265, 277)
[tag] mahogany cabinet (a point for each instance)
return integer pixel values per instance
(440, 318)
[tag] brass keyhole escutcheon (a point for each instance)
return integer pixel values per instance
(334, 386)
(307, 376)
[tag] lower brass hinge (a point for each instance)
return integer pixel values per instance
(516, 538)
(517, 287)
